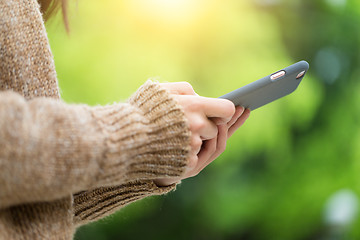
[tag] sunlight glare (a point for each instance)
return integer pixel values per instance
(172, 12)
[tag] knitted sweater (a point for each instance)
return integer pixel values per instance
(64, 165)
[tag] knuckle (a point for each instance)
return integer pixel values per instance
(212, 132)
(195, 106)
(197, 142)
(198, 124)
(192, 163)
(188, 87)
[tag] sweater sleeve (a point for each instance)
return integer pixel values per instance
(50, 149)
(92, 205)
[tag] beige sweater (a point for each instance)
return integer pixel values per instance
(64, 165)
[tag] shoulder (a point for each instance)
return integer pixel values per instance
(20, 16)
(26, 61)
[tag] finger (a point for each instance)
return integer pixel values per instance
(192, 165)
(195, 144)
(204, 156)
(220, 145)
(207, 129)
(239, 122)
(221, 141)
(220, 109)
(181, 88)
(238, 112)
(213, 148)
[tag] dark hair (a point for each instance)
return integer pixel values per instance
(51, 7)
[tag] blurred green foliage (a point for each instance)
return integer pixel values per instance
(279, 174)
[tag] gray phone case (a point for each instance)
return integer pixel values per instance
(268, 89)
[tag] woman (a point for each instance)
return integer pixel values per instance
(64, 165)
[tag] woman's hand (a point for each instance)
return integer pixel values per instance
(211, 120)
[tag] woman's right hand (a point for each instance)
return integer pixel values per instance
(211, 122)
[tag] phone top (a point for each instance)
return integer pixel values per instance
(269, 88)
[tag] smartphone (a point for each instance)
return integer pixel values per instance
(269, 88)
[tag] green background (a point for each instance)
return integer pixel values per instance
(292, 171)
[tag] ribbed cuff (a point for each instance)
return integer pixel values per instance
(148, 138)
(92, 205)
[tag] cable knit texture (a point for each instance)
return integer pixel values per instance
(64, 165)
